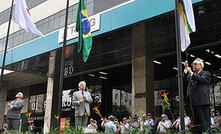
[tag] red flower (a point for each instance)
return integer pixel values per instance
(165, 95)
(95, 108)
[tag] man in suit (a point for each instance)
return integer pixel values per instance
(198, 93)
(81, 101)
(13, 117)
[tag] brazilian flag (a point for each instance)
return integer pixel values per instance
(84, 31)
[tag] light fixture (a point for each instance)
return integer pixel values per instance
(6, 71)
(218, 56)
(207, 63)
(218, 77)
(157, 62)
(200, 59)
(207, 50)
(201, 11)
(103, 73)
(175, 68)
(91, 75)
(103, 77)
(192, 56)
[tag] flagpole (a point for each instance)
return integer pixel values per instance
(179, 65)
(6, 45)
(62, 63)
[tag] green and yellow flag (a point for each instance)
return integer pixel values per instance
(84, 31)
(187, 22)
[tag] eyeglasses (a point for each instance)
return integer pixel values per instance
(195, 64)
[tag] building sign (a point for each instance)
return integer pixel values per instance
(72, 33)
(69, 70)
(140, 95)
(66, 100)
(37, 103)
(62, 124)
(30, 121)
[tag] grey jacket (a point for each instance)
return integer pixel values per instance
(15, 109)
(81, 108)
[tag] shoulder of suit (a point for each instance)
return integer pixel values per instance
(76, 92)
(87, 92)
(206, 72)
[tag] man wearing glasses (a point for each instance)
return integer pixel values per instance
(198, 94)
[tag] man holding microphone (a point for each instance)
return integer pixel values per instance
(81, 101)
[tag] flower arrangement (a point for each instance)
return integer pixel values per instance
(97, 111)
(166, 100)
(28, 114)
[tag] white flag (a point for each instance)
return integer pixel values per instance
(21, 16)
(187, 22)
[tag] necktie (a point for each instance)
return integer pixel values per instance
(82, 92)
(196, 73)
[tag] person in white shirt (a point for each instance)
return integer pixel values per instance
(124, 126)
(187, 122)
(217, 119)
(92, 124)
(110, 126)
(163, 125)
(148, 124)
(212, 120)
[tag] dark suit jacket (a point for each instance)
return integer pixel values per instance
(15, 109)
(199, 88)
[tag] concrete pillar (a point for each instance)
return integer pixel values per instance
(3, 97)
(49, 99)
(142, 73)
(138, 69)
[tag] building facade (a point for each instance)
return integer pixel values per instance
(132, 61)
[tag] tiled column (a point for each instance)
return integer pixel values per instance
(49, 99)
(3, 97)
(142, 73)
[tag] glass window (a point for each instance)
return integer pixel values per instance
(63, 12)
(20, 38)
(62, 20)
(40, 28)
(34, 3)
(56, 23)
(89, 1)
(29, 36)
(90, 9)
(51, 18)
(16, 39)
(25, 37)
(74, 15)
(45, 28)
(70, 17)
(51, 26)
